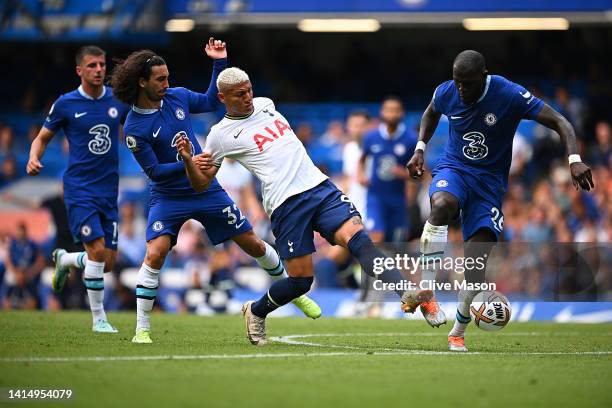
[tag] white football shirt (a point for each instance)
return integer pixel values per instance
(264, 143)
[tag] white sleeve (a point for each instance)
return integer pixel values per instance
(214, 147)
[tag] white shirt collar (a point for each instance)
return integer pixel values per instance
(86, 95)
(143, 111)
(382, 128)
(484, 93)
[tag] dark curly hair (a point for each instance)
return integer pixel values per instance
(127, 72)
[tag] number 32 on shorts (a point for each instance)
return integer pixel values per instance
(497, 218)
(232, 218)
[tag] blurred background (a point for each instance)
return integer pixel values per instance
(320, 61)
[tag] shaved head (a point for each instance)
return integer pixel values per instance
(469, 75)
(469, 61)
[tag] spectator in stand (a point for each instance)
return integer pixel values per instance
(601, 153)
(8, 171)
(24, 265)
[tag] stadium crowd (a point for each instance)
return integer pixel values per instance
(541, 206)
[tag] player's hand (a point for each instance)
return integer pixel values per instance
(215, 49)
(183, 147)
(415, 165)
(203, 161)
(581, 176)
(34, 166)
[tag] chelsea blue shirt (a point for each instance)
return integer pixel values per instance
(386, 152)
(151, 135)
(481, 134)
(92, 129)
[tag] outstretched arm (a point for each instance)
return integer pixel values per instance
(581, 173)
(207, 102)
(200, 170)
(37, 150)
(429, 123)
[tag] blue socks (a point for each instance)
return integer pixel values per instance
(280, 293)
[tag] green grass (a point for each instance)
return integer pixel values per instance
(505, 374)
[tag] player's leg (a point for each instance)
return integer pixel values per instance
(267, 258)
(337, 220)
(448, 192)
(102, 253)
(166, 216)
(147, 283)
(93, 278)
(482, 224)
(300, 270)
(292, 228)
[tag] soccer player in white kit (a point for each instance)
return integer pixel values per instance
(297, 196)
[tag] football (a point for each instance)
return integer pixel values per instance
(490, 310)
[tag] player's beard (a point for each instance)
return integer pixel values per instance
(153, 95)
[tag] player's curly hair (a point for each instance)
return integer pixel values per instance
(127, 72)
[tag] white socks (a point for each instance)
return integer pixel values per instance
(74, 259)
(463, 312)
(147, 283)
(433, 244)
(93, 276)
(271, 263)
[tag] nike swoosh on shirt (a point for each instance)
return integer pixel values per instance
(241, 224)
(156, 133)
(78, 115)
(238, 134)
(456, 117)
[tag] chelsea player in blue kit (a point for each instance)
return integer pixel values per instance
(472, 174)
(389, 147)
(90, 117)
(160, 116)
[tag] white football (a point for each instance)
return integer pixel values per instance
(490, 310)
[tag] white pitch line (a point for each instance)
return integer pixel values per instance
(290, 339)
(363, 353)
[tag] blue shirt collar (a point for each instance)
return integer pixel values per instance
(87, 96)
(147, 111)
(382, 128)
(484, 93)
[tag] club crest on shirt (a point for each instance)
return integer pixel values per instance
(442, 183)
(157, 226)
(399, 149)
(180, 113)
(113, 112)
(490, 119)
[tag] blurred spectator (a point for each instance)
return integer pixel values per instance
(23, 267)
(6, 141)
(8, 171)
(570, 107)
(601, 153)
(132, 246)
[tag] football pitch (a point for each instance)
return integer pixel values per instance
(207, 362)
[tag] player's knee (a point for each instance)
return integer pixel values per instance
(155, 257)
(251, 244)
(443, 208)
(300, 286)
(96, 253)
